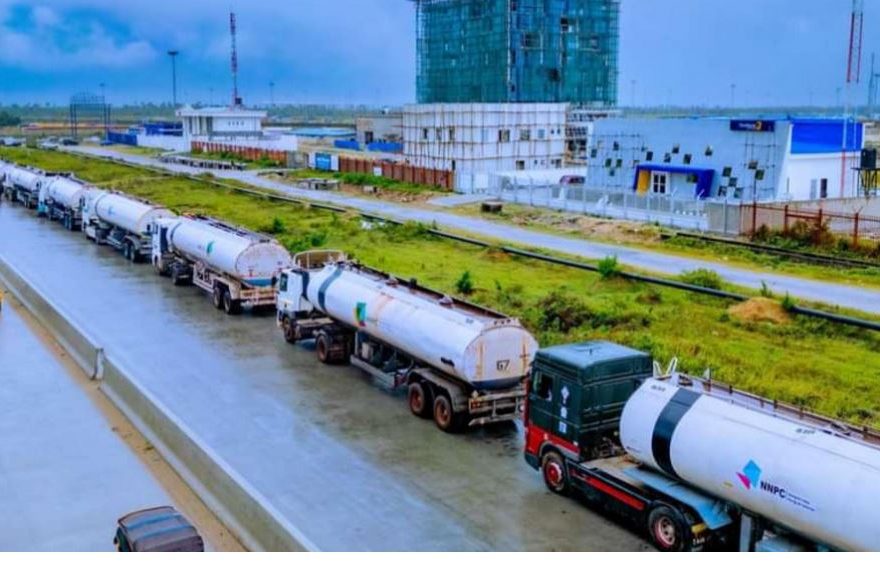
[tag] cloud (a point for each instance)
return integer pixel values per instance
(50, 42)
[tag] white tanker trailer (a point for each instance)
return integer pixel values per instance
(462, 364)
(62, 198)
(697, 463)
(120, 221)
(238, 268)
(24, 184)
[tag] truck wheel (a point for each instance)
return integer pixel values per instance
(555, 473)
(292, 331)
(322, 348)
(134, 255)
(218, 297)
(667, 529)
(230, 305)
(125, 250)
(420, 402)
(445, 417)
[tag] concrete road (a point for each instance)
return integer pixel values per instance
(844, 295)
(65, 477)
(342, 460)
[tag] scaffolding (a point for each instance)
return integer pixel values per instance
(518, 51)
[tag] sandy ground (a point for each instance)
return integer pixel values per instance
(213, 531)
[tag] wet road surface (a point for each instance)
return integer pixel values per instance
(344, 461)
(844, 295)
(65, 477)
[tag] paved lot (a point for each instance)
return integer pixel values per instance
(844, 295)
(342, 460)
(65, 477)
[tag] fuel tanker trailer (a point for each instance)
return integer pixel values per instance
(697, 463)
(120, 221)
(462, 364)
(237, 267)
(62, 199)
(24, 184)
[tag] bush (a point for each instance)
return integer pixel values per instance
(277, 227)
(609, 267)
(561, 313)
(703, 278)
(765, 290)
(465, 284)
(789, 302)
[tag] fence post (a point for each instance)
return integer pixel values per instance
(754, 218)
(818, 226)
(785, 220)
(856, 231)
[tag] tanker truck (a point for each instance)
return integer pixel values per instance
(696, 463)
(24, 184)
(462, 365)
(238, 268)
(120, 221)
(61, 199)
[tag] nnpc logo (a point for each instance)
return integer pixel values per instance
(751, 475)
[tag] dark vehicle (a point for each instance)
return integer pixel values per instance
(573, 181)
(159, 529)
(68, 142)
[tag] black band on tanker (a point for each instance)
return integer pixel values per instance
(322, 291)
(667, 422)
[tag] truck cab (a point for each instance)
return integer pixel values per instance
(576, 397)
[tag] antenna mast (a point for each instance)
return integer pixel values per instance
(236, 100)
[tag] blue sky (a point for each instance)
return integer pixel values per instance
(778, 52)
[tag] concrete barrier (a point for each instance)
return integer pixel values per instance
(81, 346)
(241, 508)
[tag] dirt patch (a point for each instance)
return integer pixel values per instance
(760, 309)
(590, 227)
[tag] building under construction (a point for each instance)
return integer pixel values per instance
(518, 51)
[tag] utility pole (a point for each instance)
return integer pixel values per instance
(236, 100)
(873, 84)
(853, 75)
(173, 54)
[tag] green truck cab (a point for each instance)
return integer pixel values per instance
(576, 396)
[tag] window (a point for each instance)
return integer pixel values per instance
(667, 158)
(520, 164)
(438, 134)
(823, 188)
(659, 181)
(557, 163)
(676, 149)
(425, 134)
(753, 165)
(688, 158)
(544, 387)
(619, 163)
(525, 135)
(615, 146)
(759, 175)
(710, 151)
(542, 134)
(649, 156)
(692, 178)
(282, 287)
(728, 172)
(452, 134)
(504, 136)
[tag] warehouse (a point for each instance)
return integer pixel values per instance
(739, 159)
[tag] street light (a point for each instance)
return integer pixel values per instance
(173, 54)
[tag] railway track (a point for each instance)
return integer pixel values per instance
(809, 257)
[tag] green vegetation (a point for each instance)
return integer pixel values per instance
(809, 362)
(359, 179)
(608, 267)
(703, 278)
(9, 120)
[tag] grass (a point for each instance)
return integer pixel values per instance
(358, 179)
(834, 370)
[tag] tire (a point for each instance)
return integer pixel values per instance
(291, 330)
(420, 399)
(322, 348)
(125, 251)
(668, 530)
(555, 474)
(218, 296)
(445, 417)
(134, 255)
(230, 305)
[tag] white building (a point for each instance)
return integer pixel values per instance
(737, 159)
(235, 126)
(478, 140)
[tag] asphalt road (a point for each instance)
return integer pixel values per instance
(342, 460)
(65, 477)
(844, 295)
